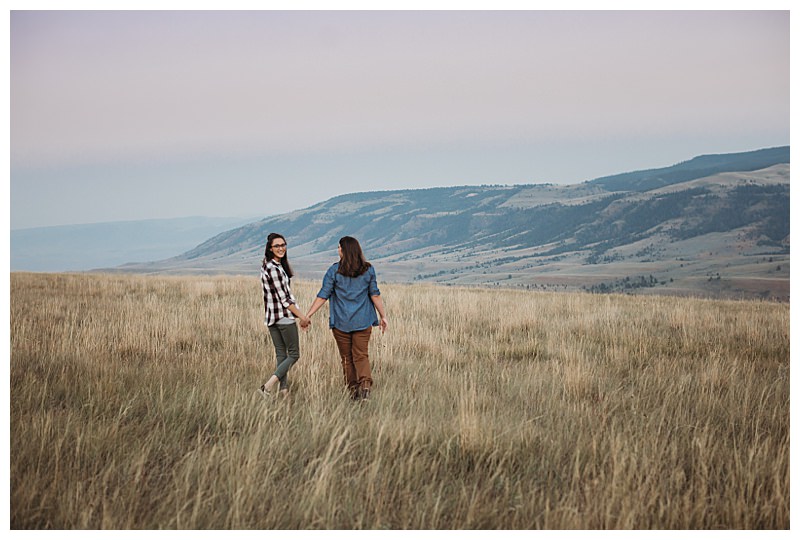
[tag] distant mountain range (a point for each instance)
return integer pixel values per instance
(716, 225)
(98, 245)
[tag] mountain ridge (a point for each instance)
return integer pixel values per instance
(697, 167)
(535, 235)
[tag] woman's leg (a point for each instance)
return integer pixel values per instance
(279, 343)
(360, 341)
(345, 345)
(291, 340)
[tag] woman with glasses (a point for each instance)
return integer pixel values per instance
(280, 312)
(352, 287)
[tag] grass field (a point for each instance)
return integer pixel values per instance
(134, 406)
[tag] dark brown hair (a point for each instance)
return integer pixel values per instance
(268, 255)
(352, 263)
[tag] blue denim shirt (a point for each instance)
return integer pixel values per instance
(351, 307)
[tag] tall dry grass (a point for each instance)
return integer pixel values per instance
(134, 406)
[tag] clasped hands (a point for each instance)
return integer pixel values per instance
(305, 323)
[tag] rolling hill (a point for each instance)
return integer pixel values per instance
(713, 226)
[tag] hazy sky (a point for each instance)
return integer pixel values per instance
(151, 114)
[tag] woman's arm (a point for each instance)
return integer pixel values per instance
(324, 292)
(285, 297)
(318, 303)
(304, 321)
(264, 287)
(282, 287)
(377, 301)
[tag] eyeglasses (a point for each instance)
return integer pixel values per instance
(278, 246)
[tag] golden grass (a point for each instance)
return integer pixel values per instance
(134, 405)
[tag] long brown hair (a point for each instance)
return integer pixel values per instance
(268, 255)
(352, 263)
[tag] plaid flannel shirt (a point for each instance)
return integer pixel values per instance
(277, 294)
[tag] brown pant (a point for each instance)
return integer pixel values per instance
(354, 350)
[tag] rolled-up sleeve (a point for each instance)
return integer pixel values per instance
(281, 287)
(327, 284)
(373, 283)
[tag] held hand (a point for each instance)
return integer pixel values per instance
(305, 322)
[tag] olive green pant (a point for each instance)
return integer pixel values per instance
(287, 349)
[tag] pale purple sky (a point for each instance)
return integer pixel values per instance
(137, 115)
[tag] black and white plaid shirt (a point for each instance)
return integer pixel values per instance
(277, 294)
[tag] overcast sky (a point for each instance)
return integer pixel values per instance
(137, 115)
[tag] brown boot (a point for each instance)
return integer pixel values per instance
(354, 393)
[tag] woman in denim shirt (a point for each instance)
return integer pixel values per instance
(352, 288)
